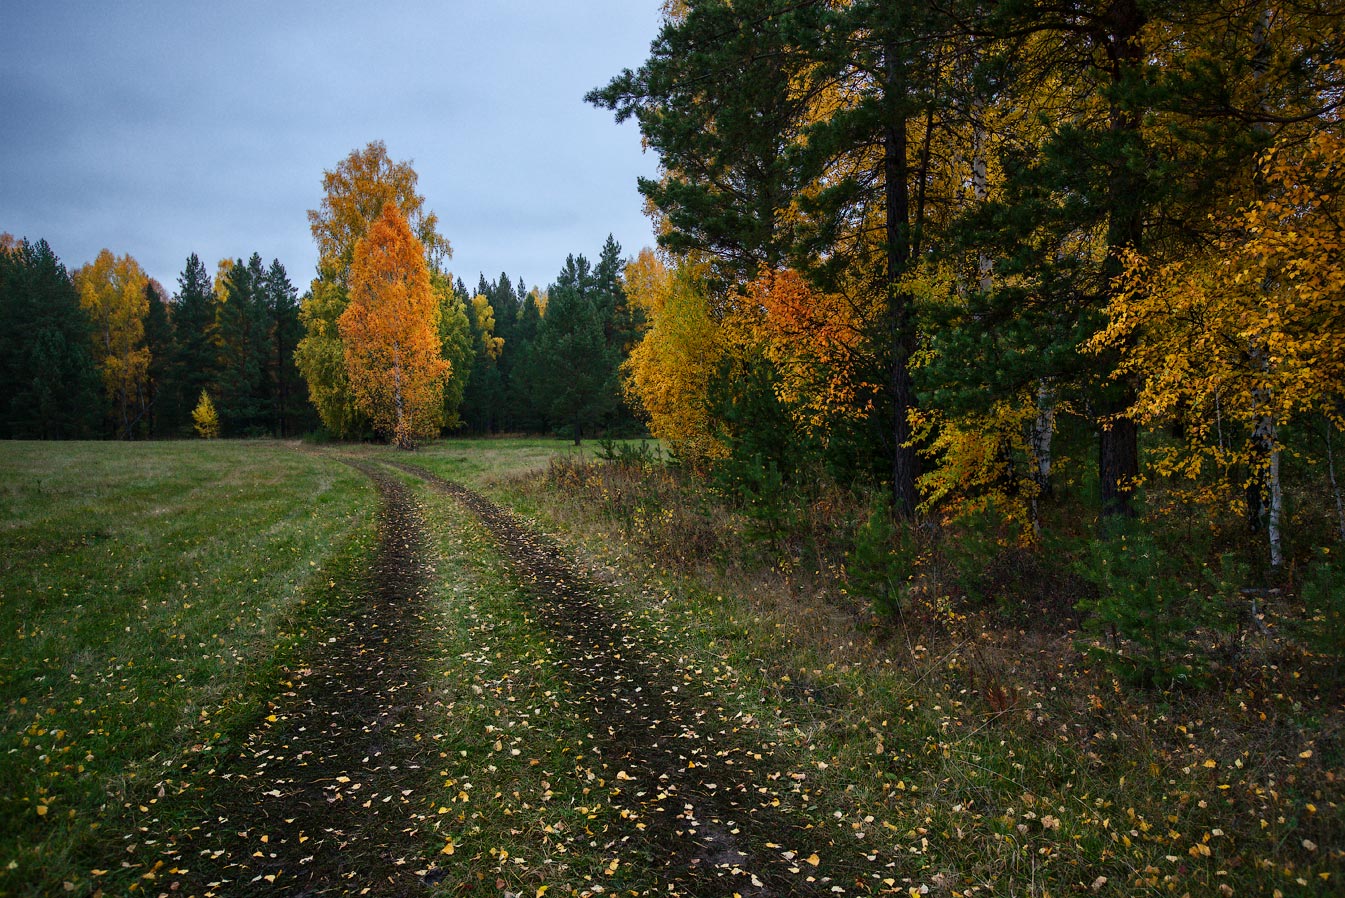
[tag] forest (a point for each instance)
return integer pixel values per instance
(950, 502)
(1048, 271)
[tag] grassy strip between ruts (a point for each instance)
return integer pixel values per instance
(517, 803)
(151, 594)
(927, 775)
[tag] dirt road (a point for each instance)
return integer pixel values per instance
(316, 801)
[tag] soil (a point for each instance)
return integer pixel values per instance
(705, 833)
(315, 802)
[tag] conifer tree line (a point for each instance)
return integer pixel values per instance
(549, 361)
(986, 253)
(385, 343)
(514, 359)
(107, 352)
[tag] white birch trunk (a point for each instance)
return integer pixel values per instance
(1335, 485)
(1276, 510)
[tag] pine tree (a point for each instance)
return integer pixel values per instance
(194, 360)
(575, 370)
(48, 381)
(282, 377)
(161, 391)
(242, 345)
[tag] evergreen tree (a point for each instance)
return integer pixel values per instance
(194, 358)
(521, 393)
(288, 396)
(161, 392)
(576, 381)
(242, 345)
(49, 386)
(483, 404)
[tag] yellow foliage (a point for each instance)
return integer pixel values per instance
(1250, 331)
(353, 196)
(112, 292)
(669, 372)
(980, 460)
(205, 419)
(483, 316)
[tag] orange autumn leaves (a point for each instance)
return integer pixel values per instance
(813, 339)
(390, 332)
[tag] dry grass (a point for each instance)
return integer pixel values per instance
(983, 733)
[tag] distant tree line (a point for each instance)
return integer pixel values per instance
(550, 360)
(106, 352)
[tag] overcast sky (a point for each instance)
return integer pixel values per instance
(161, 129)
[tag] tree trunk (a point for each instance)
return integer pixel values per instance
(1276, 511)
(1118, 465)
(400, 434)
(1043, 429)
(281, 385)
(1118, 444)
(1335, 485)
(902, 342)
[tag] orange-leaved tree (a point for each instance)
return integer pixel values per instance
(816, 341)
(390, 331)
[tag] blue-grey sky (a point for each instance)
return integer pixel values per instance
(165, 128)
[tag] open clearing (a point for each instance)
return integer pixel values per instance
(262, 668)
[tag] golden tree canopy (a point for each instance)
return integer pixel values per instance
(390, 331)
(112, 292)
(353, 196)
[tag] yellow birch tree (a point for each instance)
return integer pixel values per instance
(112, 292)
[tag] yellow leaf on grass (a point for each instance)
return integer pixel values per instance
(813, 859)
(41, 810)
(448, 849)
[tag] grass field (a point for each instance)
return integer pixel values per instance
(149, 592)
(153, 594)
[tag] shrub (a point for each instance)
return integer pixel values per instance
(1142, 613)
(883, 559)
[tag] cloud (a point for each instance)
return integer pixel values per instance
(160, 129)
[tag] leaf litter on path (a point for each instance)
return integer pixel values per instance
(701, 810)
(315, 800)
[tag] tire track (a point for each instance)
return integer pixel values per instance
(704, 831)
(315, 802)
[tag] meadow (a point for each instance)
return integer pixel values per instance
(150, 593)
(159, 597)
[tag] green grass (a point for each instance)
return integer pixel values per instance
(513, 798)
(150, 593)
(979, 763)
